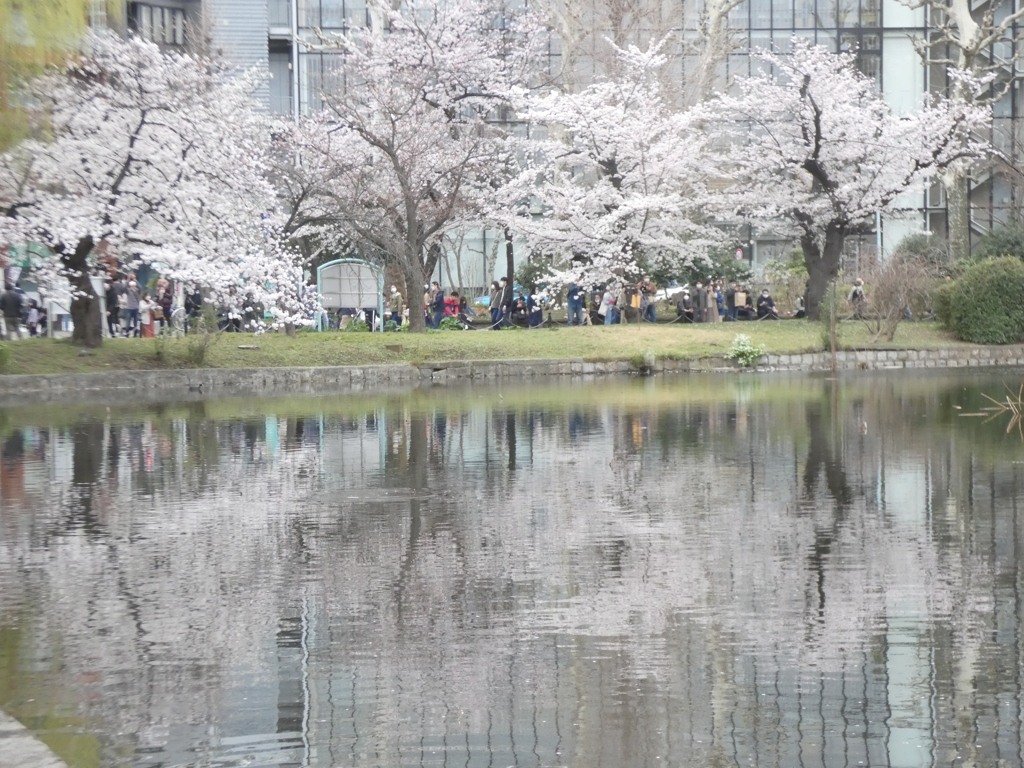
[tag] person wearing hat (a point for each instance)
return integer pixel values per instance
(857, 299)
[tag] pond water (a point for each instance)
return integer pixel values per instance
(697, 571)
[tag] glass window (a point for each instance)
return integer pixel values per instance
(179, 28)
(146, 22)
(279, 13)
(760, 14)
(782, 14)
(871, 65)
(804, 14)
(826, 13)
(848, 13)
(355, 12)
(332, 13)
(828, 38)
(870, 14)
(309, 13)
(738, 16)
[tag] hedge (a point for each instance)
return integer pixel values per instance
(986, 305)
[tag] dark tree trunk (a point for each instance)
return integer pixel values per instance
(822, 267)
(510, 258)
(85, 304)
(414, 286)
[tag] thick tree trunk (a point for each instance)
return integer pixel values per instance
(958, 212)
(822, 267)
(85, 304)
(510, 258)
(414, 280)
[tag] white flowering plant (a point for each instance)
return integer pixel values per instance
(744, 351)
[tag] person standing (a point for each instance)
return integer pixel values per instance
(131, 303)
(147, 321)
(110, 298)
(32, 319)
(436, 304)
(857, 299)
(647, 290)
(494, 304)
(700, 303)
(717, 302)
(730, 303)
(10, 304)
(575, 305)
(505, 302)
(395, 307)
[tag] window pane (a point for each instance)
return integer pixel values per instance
(782, 14)
(848, 13)
(805, 14)
(826, 13)
(760, 14)
(332, 13)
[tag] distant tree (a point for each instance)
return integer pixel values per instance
(815, 151)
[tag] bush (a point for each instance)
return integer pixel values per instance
(1005, 241)
(942, 303)
(986, 302)
(450, 324)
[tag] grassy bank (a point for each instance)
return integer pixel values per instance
(38, 356)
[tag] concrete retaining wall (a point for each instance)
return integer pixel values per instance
(241, 381)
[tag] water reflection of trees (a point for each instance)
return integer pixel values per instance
(723, 581)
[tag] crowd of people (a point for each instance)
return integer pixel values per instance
(134, 312)
(510, 305)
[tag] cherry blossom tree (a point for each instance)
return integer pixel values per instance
(618, 183)
(160, 158)
(815, 152)
(409, 138)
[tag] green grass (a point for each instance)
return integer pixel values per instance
(39, 356)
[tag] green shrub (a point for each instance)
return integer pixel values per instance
(1005, 241)
(942, 303)
(355, 326)
(450, 324)
(987, 305)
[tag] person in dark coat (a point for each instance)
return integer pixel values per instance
(684, 307)
(505, 303)
(730, 303)
(436, 304)
(576, 298)
(10, 305)
(700, 303)
(766, 306)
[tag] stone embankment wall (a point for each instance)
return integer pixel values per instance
(221, 381)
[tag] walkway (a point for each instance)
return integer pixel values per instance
(20, 749)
